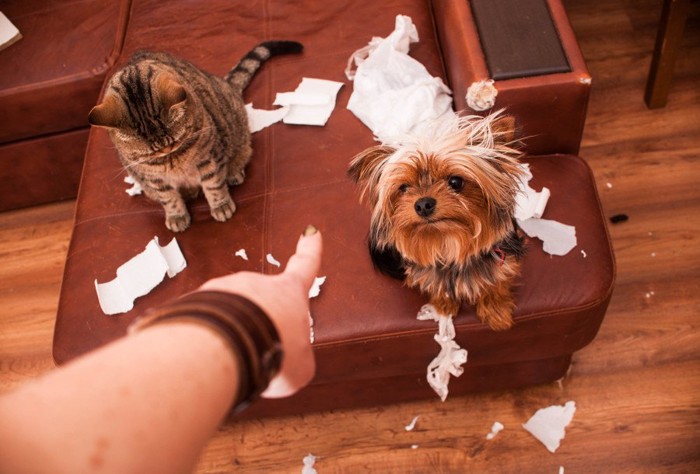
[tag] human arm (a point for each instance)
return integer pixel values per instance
(149, 402)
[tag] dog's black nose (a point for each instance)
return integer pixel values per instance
(425, 206)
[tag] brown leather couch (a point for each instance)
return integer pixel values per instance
(48, 80)
(369, 346)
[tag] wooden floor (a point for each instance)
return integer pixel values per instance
(637, 386)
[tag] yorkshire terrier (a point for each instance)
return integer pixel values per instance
(442, 214)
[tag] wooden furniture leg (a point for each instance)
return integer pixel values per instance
(673, 18)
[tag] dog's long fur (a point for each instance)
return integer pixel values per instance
(442, 214)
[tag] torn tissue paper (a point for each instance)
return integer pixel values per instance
(529, 203)
(557, 238)
(311, 103)
(450, 358)
(315, 289)
(548, 424)
(393, 94)
(259, 118)
(139, 276)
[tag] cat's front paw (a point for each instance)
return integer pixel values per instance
(177, 223)
(224, 212)
(234, 179)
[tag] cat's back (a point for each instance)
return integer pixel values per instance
(147, 64)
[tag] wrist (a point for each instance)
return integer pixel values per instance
(248, 331)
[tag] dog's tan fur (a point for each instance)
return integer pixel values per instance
(468, 248)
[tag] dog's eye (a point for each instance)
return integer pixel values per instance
(455, 182)
(403, 188)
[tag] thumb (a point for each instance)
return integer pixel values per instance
(306, 261)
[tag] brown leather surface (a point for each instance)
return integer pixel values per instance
(41, 170)
(365, 324)
(52, 76)
(551, 109)
(355, 393)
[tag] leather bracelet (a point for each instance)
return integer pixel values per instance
(250, 333)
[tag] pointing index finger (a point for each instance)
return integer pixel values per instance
(306, 261)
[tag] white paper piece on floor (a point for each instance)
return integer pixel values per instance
(260, 118)
(450, 358)
(548, 424)
(557, 238)
(311, 103)
(241, 253)
(309, 461)
(393, 94)
(529, 203)
(135, 188)
(412, 424)
(495, 429)
(139, 276)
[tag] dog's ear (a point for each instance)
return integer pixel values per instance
(366, 163)
(504, 129)
(365, 169)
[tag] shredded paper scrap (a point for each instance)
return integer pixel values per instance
(311, 103)
(139, 276)
(548, 424)
(557, 238)
(451, 357)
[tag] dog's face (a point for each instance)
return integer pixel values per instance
(446, 199)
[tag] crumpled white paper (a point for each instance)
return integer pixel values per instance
(394, 94)
(450, 358)
(548, 424)
(557, 238)
(139, 276)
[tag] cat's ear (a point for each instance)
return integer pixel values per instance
(170, 91)
(107, 114)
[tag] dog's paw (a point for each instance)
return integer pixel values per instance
(178, 222)
(224, 212)
(497, 316)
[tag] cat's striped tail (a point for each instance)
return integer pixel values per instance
(246, 68)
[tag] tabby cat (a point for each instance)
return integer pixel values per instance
(178, 129)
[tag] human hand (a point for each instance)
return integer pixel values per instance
(285, 299)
